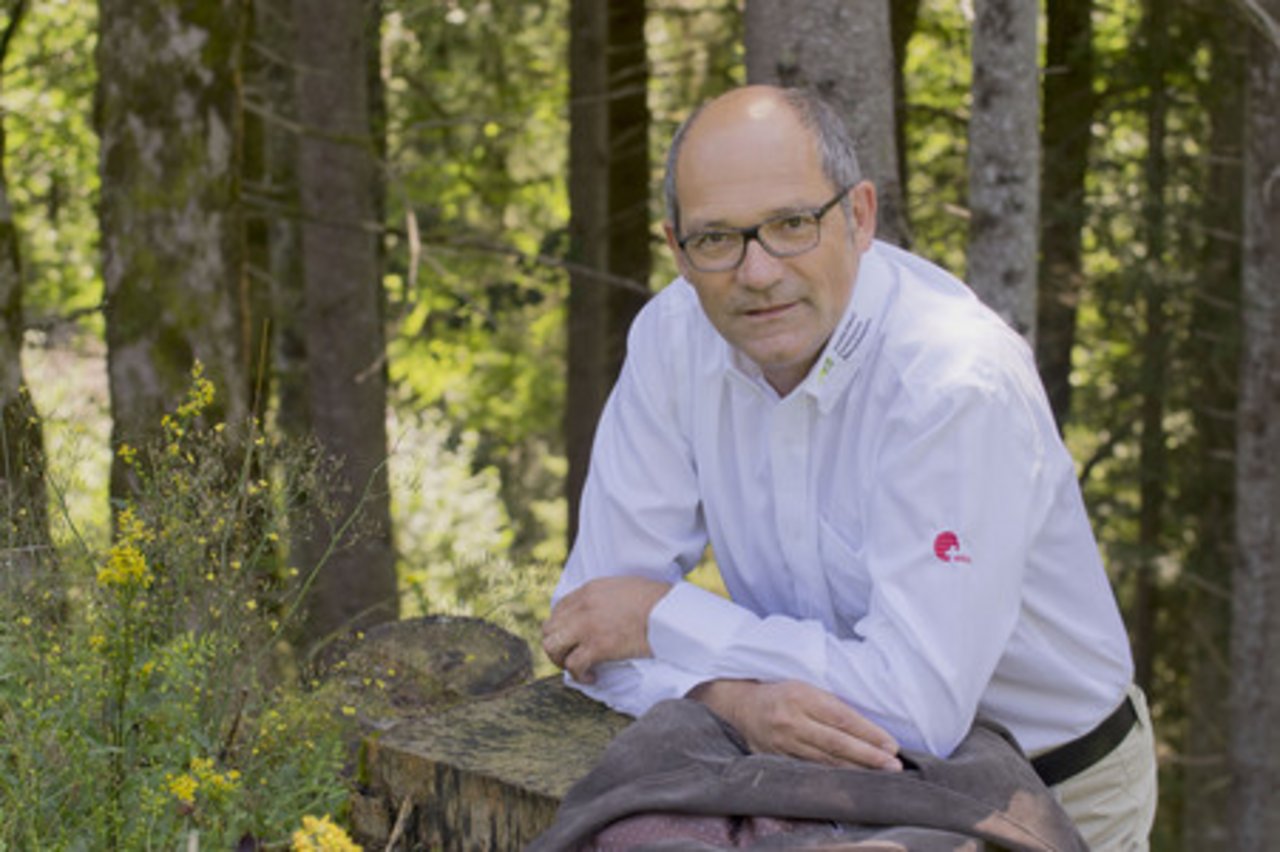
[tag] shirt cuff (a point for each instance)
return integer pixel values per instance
(633, 686)
(691, 627)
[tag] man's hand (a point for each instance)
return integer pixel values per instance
(604, 620)
(800, 720)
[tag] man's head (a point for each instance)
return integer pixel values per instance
(761, 156)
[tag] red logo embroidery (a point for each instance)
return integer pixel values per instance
(947, 547)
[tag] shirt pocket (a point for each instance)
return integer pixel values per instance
(845, 568)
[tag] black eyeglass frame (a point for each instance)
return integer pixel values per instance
(753, 233)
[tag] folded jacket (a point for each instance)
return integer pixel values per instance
(681, 777)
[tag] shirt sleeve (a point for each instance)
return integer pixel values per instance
(945, 541)
(641, 514)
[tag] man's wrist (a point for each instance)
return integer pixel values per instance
(721, 695)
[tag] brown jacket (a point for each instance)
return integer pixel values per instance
(683, 778)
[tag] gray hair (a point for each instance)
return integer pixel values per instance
(835, 146)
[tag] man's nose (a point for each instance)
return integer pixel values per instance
(759, 269)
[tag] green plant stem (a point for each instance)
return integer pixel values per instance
(123, 678)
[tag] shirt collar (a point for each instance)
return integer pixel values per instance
(853, 340)
(849, 345)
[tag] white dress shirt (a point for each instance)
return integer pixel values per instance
(904, 529)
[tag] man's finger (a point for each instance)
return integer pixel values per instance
(834, 713)
(835, 746)
(578, 663)
(556, 645)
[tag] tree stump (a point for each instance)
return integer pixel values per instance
(482, 775)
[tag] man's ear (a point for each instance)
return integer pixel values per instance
(863, 198)
(675, 249)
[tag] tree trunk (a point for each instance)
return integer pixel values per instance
(275, 203)
(174, 271)
(1069, 105)
(1004, 161)
(1255, 633)
(609, 199)
(338, 182)
(1215, 358)
(1153, 459)
(844, 52)
(24, 525)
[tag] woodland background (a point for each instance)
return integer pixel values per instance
(413, 232)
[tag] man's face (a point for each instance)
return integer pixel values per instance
(748, 159)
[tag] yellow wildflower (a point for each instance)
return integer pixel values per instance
(125, 566)
(131, 528)
(321, 835)
(127, 454)
(200, 395)
(183, 787)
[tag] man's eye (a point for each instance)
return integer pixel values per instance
(798, 222)
(712, 240)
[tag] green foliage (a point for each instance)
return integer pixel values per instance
(477, 212)
(937, 72)
(163, 704)
(51, 159)
(477, 157)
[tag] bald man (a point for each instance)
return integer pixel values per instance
(870, 455)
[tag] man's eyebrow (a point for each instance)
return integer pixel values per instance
(775, 213)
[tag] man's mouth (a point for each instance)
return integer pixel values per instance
(769, 311)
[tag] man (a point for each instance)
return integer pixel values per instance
(870, 454)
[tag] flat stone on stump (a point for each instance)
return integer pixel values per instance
(402, 669)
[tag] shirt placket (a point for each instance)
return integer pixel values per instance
(796, 526)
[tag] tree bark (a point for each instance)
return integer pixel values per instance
(844, 52)
(1255, 634)
(338, 184)
(174, 271)
(1069, 105)
(1004, 161)
(1215, 359)
(609, 199)
(275, 205)
(24, 526)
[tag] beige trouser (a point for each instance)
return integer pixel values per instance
(1113, 802)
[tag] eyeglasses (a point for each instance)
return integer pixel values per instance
(782, 236)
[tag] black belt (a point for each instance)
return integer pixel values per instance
(1070, 759)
